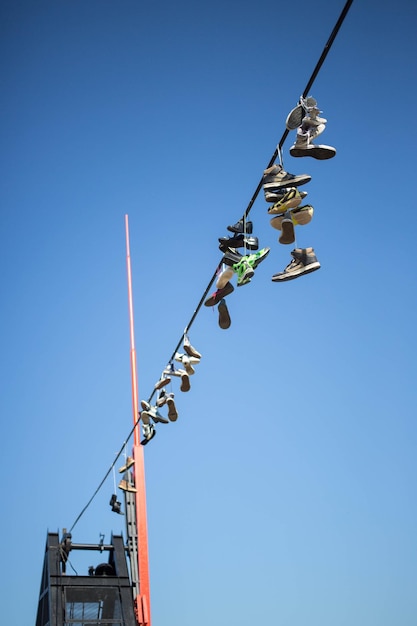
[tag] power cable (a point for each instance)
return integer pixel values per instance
(272, 160)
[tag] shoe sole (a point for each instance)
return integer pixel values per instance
(161, 383)
(301, 216)
(224, 317)
(185, 383)
(172, 411)
(287, 182)
(281, 278)
(192, 351)
(295, 117)
(219, 295)
(293, 203)
(288, 234)
(321, 153)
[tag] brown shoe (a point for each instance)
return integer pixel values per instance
(125, 486)
(224, 317)
(129, 462)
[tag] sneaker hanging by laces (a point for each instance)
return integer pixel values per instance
(242, 226)
(244, 272)
(287, 229)
(275, 177)
(304, 262)
(300, 217)
(225, 276)
(224, 317)
(189, 349)
(149, 433)
(172, 409)
(219, 294)
(257, 257)
(290, 200)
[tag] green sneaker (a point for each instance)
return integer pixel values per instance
(254, 259)
(244, 271)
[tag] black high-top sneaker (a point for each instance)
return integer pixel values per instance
(242, 226)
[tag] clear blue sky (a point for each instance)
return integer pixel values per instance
(286, 491)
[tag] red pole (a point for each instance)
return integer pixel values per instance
(142, 601)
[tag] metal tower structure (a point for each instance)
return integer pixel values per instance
(116, 592)
(101, 598)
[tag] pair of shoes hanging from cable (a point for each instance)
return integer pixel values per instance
(305, 117)
(126, 484)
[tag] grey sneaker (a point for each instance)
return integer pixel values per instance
(276, 177)
(304, 261)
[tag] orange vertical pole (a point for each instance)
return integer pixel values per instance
(142, 601)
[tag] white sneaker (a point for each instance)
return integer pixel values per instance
(187, 362)
(225, 276)
(189, 349)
